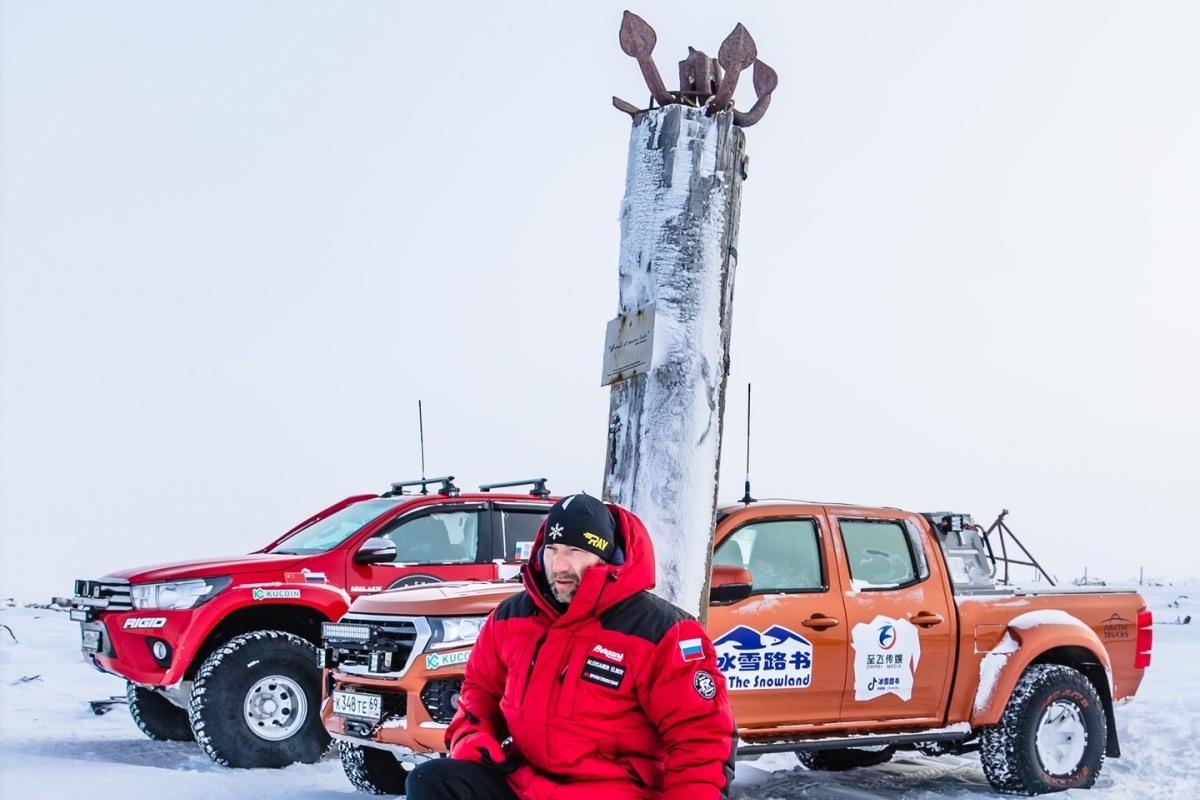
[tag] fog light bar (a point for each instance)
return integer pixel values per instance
(341, 630)
(327, 658)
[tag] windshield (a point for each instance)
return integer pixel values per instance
(327, 533)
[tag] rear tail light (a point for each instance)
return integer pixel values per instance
(1145, 639)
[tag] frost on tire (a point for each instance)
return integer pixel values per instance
(156, 716)
(842, 759)
(256, 702)
(372, 770)
(1051, 737)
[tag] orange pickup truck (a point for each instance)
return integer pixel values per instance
(845, 634)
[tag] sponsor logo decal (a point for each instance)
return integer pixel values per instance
(524, 550)
(437, 660)
(144, 622)
(704, 684)
(603, 673)
(1116, 627)
(556, 532)
(596, 541)
(276, 594)
(365, 589)
(604, 651)
(777, 658)
(887, 637)
(691, 650)
(886, 654)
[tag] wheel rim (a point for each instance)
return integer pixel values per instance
(275, 708)
(1061, 738)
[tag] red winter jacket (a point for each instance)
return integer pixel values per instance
(617, 697)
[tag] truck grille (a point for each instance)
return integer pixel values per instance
(386, 650)
(95, 596)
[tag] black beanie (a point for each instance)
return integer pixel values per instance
(582, 521)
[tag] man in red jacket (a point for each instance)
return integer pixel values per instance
(586, 685)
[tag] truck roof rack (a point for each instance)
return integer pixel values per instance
(447, 486)
(539, 486)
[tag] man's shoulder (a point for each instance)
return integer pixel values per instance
(644, 615)
(517, 606)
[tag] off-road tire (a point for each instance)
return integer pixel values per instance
(256, 702)
(843, 759)
(156, 716)
(1051, 737)
(372, 770)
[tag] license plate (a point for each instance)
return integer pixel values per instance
(358, 705)
(91, 640)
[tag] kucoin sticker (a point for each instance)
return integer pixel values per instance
(777, 658)
(276, 594)
(438, 660)
(886, 654)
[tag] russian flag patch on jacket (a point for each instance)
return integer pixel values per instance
(691, 650)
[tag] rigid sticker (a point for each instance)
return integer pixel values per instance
(776, 658)
(886, 654)
(144, 622)
(604, 673)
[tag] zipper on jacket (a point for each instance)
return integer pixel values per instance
(610, 578)
(537, 648)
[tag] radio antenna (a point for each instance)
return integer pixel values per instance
(747, 499)
(421, 425)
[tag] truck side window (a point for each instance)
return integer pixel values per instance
(449, 537)
(782, 555)
(520, 528)
(877, 553)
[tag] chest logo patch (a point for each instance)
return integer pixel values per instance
(603, 673)
(704, 684)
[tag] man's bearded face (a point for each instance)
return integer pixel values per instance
(565, 567)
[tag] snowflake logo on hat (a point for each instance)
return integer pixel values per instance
(556, 532)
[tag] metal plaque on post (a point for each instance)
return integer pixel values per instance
(628, 345)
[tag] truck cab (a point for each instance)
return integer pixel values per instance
(195, 638)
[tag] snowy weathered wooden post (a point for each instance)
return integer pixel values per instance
(667, 352)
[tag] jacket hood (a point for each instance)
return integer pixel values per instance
(605, 584)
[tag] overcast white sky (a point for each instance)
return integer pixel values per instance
(240, 240)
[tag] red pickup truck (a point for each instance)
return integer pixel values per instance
(845, 633)
(224, 650)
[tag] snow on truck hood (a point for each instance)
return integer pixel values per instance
(207, 567)
(457, 598)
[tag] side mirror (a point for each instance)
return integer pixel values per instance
(729, 585)
(376, 550)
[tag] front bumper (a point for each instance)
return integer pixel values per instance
(416, 710)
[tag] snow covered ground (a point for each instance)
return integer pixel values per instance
(53, 746)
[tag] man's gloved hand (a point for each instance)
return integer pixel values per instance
(482, 748)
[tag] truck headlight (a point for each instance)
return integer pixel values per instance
(446, 632)
(177, 595)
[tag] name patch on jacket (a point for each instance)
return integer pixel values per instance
(604, 673)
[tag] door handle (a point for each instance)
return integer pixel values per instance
(926, 619)
(820, 622)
